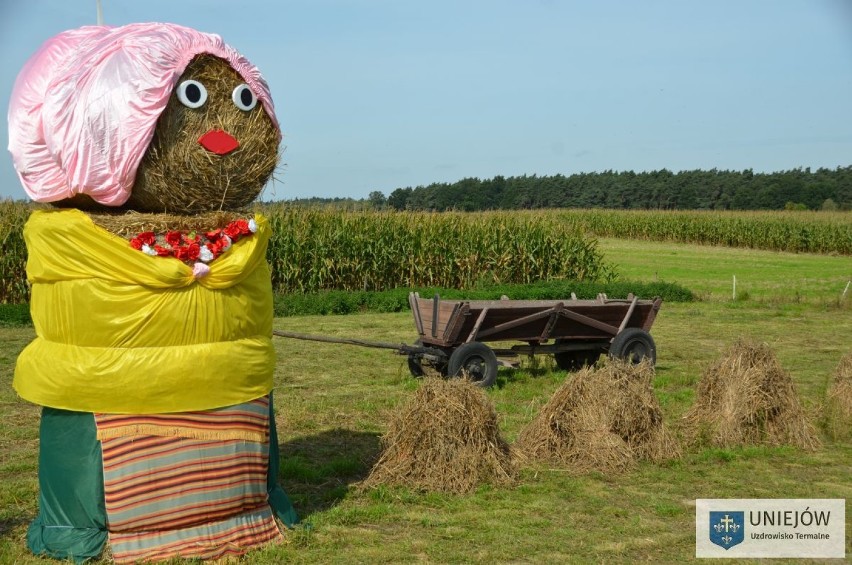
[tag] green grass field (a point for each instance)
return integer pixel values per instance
(765, 276)
(333, 402)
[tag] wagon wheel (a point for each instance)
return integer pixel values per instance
(575, 360)
(633, 345)
(475, 359)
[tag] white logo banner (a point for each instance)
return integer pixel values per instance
(770, 527)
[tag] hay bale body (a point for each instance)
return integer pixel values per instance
(746, 398)
(838, 404)
(601, 419)
(194, 173)
(128, 224)
(445, 439)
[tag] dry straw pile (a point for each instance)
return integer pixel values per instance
(746, 398)
(838, 405)
(445, 439)
(602, 419)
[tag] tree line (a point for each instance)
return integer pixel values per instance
(827, 189)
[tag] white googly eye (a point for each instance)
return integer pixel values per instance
(244, 98)
(192, 94)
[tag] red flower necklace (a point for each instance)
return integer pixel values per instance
(192, 247)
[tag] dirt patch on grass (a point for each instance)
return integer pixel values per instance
(602, 419)
(746, 398)
(445, 439)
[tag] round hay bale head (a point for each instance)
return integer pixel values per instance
(180, 175)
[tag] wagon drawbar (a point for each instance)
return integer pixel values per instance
(452, 334)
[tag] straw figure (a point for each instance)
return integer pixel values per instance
(746, 398)
(445, 439)
(151, 296)
(603, 419)
(838, 402)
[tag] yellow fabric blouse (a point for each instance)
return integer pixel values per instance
(119, 331)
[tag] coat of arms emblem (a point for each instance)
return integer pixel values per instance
(727, 529)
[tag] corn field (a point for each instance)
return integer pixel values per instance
(323, 249)
(798, 232)
(13, 252)
(315, 249)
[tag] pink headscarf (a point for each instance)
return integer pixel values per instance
(85, 106)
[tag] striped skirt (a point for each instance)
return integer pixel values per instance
(192, 485)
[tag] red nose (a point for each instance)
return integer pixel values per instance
(218, 141)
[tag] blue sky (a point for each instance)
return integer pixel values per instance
(381, 94)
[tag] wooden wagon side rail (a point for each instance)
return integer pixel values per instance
(448, 323)
(652, 315)
(554, 317)
(413, 297)
(629, 313)
(519, 322)
(456, 321)
(478, 324)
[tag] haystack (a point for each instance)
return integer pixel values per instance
(445, 439)
(746, 398)
(602, 419)
(838, 402)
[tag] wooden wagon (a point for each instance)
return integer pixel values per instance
(452, 333)
(576, 332)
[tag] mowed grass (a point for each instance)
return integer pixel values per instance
(333, 402)
(768, 276)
